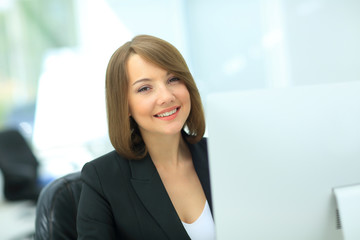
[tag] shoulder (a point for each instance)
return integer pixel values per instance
(200, 146)
(106, 163)
(199, 152)
(203, 143)
(105, 169)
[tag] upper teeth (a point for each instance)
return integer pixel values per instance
(167, 113)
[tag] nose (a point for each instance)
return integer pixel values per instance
(165, 96)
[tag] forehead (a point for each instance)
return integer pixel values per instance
(139, 68)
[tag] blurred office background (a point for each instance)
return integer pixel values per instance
(54, 53)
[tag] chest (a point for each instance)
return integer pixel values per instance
(143, 210)
(186, 194)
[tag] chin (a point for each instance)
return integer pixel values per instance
(173, 131)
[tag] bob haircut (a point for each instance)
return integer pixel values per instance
(123, 130)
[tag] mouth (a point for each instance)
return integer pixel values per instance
(167, 113)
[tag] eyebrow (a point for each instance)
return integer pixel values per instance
(141, 80)
(147, 79)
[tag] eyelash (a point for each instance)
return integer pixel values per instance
(174, 78)
(143, 89)
(146, 88)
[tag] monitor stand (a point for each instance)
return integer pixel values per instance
(348, 205)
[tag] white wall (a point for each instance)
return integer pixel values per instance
(229, 45)
(273, 43)
(323, 38)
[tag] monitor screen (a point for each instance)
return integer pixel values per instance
(275, 157)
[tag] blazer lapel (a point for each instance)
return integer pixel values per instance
(151, 191)
(200, 159)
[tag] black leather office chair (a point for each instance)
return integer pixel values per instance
(19, 167)
(57, 208)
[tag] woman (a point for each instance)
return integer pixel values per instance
(156, 184)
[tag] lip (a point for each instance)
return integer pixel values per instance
(168, 118)
(167, 110)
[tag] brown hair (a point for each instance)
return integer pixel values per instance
(123, 130)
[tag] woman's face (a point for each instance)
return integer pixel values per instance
(159, 102)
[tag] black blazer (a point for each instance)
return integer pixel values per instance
(126, 199)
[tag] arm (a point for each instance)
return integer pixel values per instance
(94, 219)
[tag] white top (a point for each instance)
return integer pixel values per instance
(203, 228)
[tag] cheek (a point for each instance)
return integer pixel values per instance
(185, 96)
(140, 108)
(134, 104)
(136, 109)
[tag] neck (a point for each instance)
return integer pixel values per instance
(167, 150)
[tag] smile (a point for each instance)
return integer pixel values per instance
(167, 114)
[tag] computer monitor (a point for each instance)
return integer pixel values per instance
(275, 157)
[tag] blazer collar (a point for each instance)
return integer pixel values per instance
(150, 189)
(200, 159)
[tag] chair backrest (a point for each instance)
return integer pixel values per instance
(57, 208)
(19, 167)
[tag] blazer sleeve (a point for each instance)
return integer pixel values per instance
(94, 219)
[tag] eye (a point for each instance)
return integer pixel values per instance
(174, 79)
(143, 89)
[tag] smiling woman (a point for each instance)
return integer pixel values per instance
(155, 94)
(123, 133)
(155, 185)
